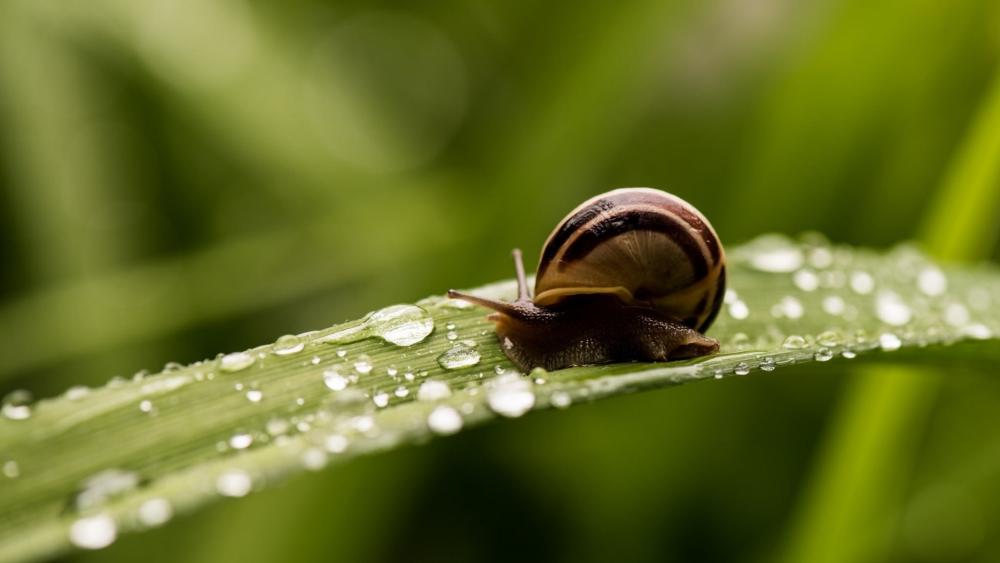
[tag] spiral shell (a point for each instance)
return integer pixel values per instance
(643, 245)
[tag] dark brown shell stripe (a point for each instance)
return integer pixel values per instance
(569, 227)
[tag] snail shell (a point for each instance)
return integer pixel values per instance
(643, 245)
(632, 274)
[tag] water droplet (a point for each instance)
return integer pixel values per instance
(255, 395)
(741, 368)
(932, 281)
(782, 257)
(363, 365)
(335, 381)
(806, 280)
(402, 325)
(849, 354)
(458, 357)
(101, 487)
(315, 360)
(834, 305)
(452, 335)
(276, 426)
(511, 396)
(335, 443)
(862, 282)
(977, 331)
(233, 483)
(381, 399)
(16, 405)
(456, 304)
(889, 342)
(341, 353)
(794, 342)
(444, 420)
(738, 310)
(240, 441)
(146, 406)
(890, 309)
(789, 307)
(11, 470)
(93, 532)
(561, 400)
(498, 369)
(401, 391)
(236, 361)
(820, 257)
(829, 338)
(363, 424)
(767, 364)
(449, 326)
(391, 371)
(155, 512)
(77, 392)
(956, 314)
(287, 345)
(824, 354)
(432, 390)
(314, 459)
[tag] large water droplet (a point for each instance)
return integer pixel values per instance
(444, 420)
(511, 396)
(93, 532)
(236, 361)
(402, 325)
(234, 483)
(458, 357)
(287, 345)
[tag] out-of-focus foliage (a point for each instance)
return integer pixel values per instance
(179, 178)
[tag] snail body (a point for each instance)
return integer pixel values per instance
(631, 274)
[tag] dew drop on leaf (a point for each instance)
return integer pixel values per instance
(287, 345)
(433, 390)
(93, 532)
(511, 395)
(233, 483)
(458, 357)
(155, 512)
(236, 361)
(444, 420)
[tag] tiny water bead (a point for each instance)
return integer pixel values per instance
(458, 357)
(314, 459)
(240, 441)
(236, 361)
(767, 364)
(889, 342)
(932, 281)
(806, 279)
(287, 345)
(741, 368)
(255, 395)
(11, 469)
(890, 308)
(794, 342)
(433, 390)
(102, 487)
(93, 532)
(146, 406)
(862, 282)
(363, 365)
(511, 395)
(444, 420)
(155, 512)
(334, 381)
(234, 483)
(335, 443)
(381, 399)
(561, 400)
(776, 254)
(17, 405)
(823, 355)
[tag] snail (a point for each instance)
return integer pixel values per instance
(631, 274)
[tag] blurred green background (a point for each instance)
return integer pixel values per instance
(184, 177)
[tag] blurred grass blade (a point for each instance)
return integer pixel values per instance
(84, 467)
